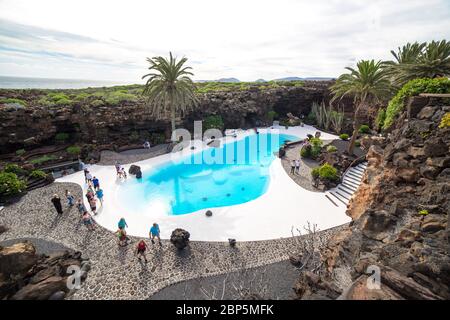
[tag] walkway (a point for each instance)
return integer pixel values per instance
(116, 273)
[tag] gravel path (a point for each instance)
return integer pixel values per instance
(116, 272)
(130, 156)
(41, 246)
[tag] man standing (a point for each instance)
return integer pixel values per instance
(297, 166)
(292, 166)
(57, 203)
(154, 233)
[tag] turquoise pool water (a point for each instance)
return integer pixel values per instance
(234, 173)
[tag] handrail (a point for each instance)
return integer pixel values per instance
(353, 162)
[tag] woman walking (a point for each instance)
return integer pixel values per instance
(99, 194)
(87, 221)
(93, 205)
(140, 250)
(122, 224)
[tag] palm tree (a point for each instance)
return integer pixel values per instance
(169, 88)
(409, 53)
(367, 84)
(431, 61)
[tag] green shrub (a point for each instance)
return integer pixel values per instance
(272, 115)
(423, 212)
(62, 137)
(316, 147)
(445, 121)
(381, 117)
(305, 151)
(120, 96)
(13, 101)
(73, 150)
(97, 103)
(413, 88)
(58, 99)
(14, 168)
(357, 143)
(20, 152)
(10, 184)
(157, 138)
(344, 136)
(43, 159)
(326, 172)
(38, 174)
(213, 122)
(332, 149)
(364, 129)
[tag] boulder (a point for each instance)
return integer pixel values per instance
(17, 259)
(3, 229)
(42, 290)
(180, 238)
(208, 213)
(134, 169)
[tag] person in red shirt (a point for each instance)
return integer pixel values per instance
(140, 250)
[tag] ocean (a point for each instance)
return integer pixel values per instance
(47, 83)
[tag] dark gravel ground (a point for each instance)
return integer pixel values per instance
(279, 279)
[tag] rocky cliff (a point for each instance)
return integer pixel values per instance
(400, 217)
(34, 125)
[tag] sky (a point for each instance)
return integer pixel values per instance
(245, 39)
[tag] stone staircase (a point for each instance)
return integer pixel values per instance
(340, 196)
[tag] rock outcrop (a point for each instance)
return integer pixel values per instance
(24, 275)
(131, 122)
(400, 216)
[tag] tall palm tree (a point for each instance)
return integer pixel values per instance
(169, 88)
(409, 53)
(367, 84)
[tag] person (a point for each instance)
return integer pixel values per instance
(87, 221)
(297, 166)
(82, 165)
(93, 205)
(99, 194)
(70, 198)
(117, 165)
(88, 176)
(57, 203)
(96, 183)
(81, 207)
(122, 224)
(89, 194)
(140, 250)
(146, 144)
(154, 233)
(292, 166)
(122, 237)
(123, 173)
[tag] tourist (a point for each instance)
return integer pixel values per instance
(96, 183)
(88, 221)
(297, 166)
(123, 239)
(122, 224)
(81, 207)
(99, 194)
(140, 250)
(154, 233)
(123, 173)
(88, 176)
(117, 165)
(146, 144)
(89, 194)
(70, 198)
(292, 166)
(57, 203)
(93, 205)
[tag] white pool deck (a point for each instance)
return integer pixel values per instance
(271, 216)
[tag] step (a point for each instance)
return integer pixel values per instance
(348, 186)
(351, 183)
(357, 170)
(364, 167)
(338, 198)
(352, 180)
(331, 200)
(346, 190)
(354, 175)
(342, 195)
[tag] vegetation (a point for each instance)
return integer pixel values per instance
(14, 168)
(344, 136)
(445, 121)
(74, 150)
(43, 159)
(20, 152)
(381, 117)
(272, 115)
(169, 87)
(364, 129)
(322, 115)
(332, 149)
(207, 87)
(325, 172)
(213, 122)
(312, 149)
(367, 84)
(423, 212)
(13, 101)
(38, 174)
(413, 88)
(62, 137)
(10, 184)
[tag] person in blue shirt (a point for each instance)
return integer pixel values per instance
(99, 194)
(154, 233)
(96, 183)
(122, 224)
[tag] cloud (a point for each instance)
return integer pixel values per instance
(106, 40)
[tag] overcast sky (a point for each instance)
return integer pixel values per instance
(246, 39)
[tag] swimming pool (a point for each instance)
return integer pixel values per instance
(234, 173)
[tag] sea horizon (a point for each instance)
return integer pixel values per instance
(14, 82)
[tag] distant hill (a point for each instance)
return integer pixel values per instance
(228, 80)
(307, 78)
(260, 80)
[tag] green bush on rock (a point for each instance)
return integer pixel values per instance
(10, 184)
(74, 150)
(343, 136)
(14, 168)
(38, 174)
(331, 149)
(213, 122)
(326, 172)
(364, 129)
